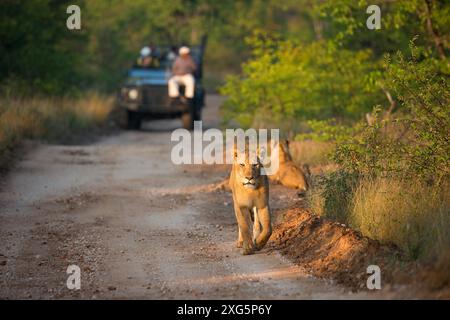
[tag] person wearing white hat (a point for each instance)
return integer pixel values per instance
(183, 73)
(146, 51)
(145, 59)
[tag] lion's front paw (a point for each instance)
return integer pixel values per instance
(239, 243)
(259, 246)
(247, 249)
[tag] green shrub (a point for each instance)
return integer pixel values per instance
(289, 80)
(332, 195)
(412, 142)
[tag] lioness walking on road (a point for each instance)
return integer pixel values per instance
(250, 191)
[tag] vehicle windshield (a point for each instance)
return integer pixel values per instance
(148, 76)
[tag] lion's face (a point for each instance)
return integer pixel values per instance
(247, 169)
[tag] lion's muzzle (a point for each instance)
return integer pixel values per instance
(249, 183)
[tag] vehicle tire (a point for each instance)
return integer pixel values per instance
(119, 116)
(198, 114)
(121, 119)
(188, 120)
(134, 121)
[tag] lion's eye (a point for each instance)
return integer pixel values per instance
(242, 165)
(255, 165)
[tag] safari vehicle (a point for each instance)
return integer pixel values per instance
(144, 95)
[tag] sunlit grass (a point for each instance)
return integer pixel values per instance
(51, 119)
(411, 214)
(313, 153)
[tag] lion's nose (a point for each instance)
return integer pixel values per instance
(249, 178)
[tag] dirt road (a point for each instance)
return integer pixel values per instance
(137, 225)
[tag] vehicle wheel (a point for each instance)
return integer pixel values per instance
(134, 121)
(119, 116)
(188, 120)
(198, 114)
(121, 119)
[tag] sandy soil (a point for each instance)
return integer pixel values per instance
(138, 226)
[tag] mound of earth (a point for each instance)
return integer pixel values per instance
(328, 249)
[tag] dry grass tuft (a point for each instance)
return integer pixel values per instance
(310, 152)
(411, 214)
(53, 119)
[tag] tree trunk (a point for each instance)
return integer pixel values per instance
(432, 30)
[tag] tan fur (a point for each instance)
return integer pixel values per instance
(251, 202)
(289, 174)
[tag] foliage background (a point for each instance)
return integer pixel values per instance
(39, 54)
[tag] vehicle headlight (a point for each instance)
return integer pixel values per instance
(133, 94)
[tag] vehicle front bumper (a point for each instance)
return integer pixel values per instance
(170, 108)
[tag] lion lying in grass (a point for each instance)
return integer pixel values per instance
(289, 174)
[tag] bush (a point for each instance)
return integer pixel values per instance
(412, 142)
(332, 195)
(393, 181)
(288, 80)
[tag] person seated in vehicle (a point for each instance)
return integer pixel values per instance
(172, 55)
(146, 60)
(183, 70)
